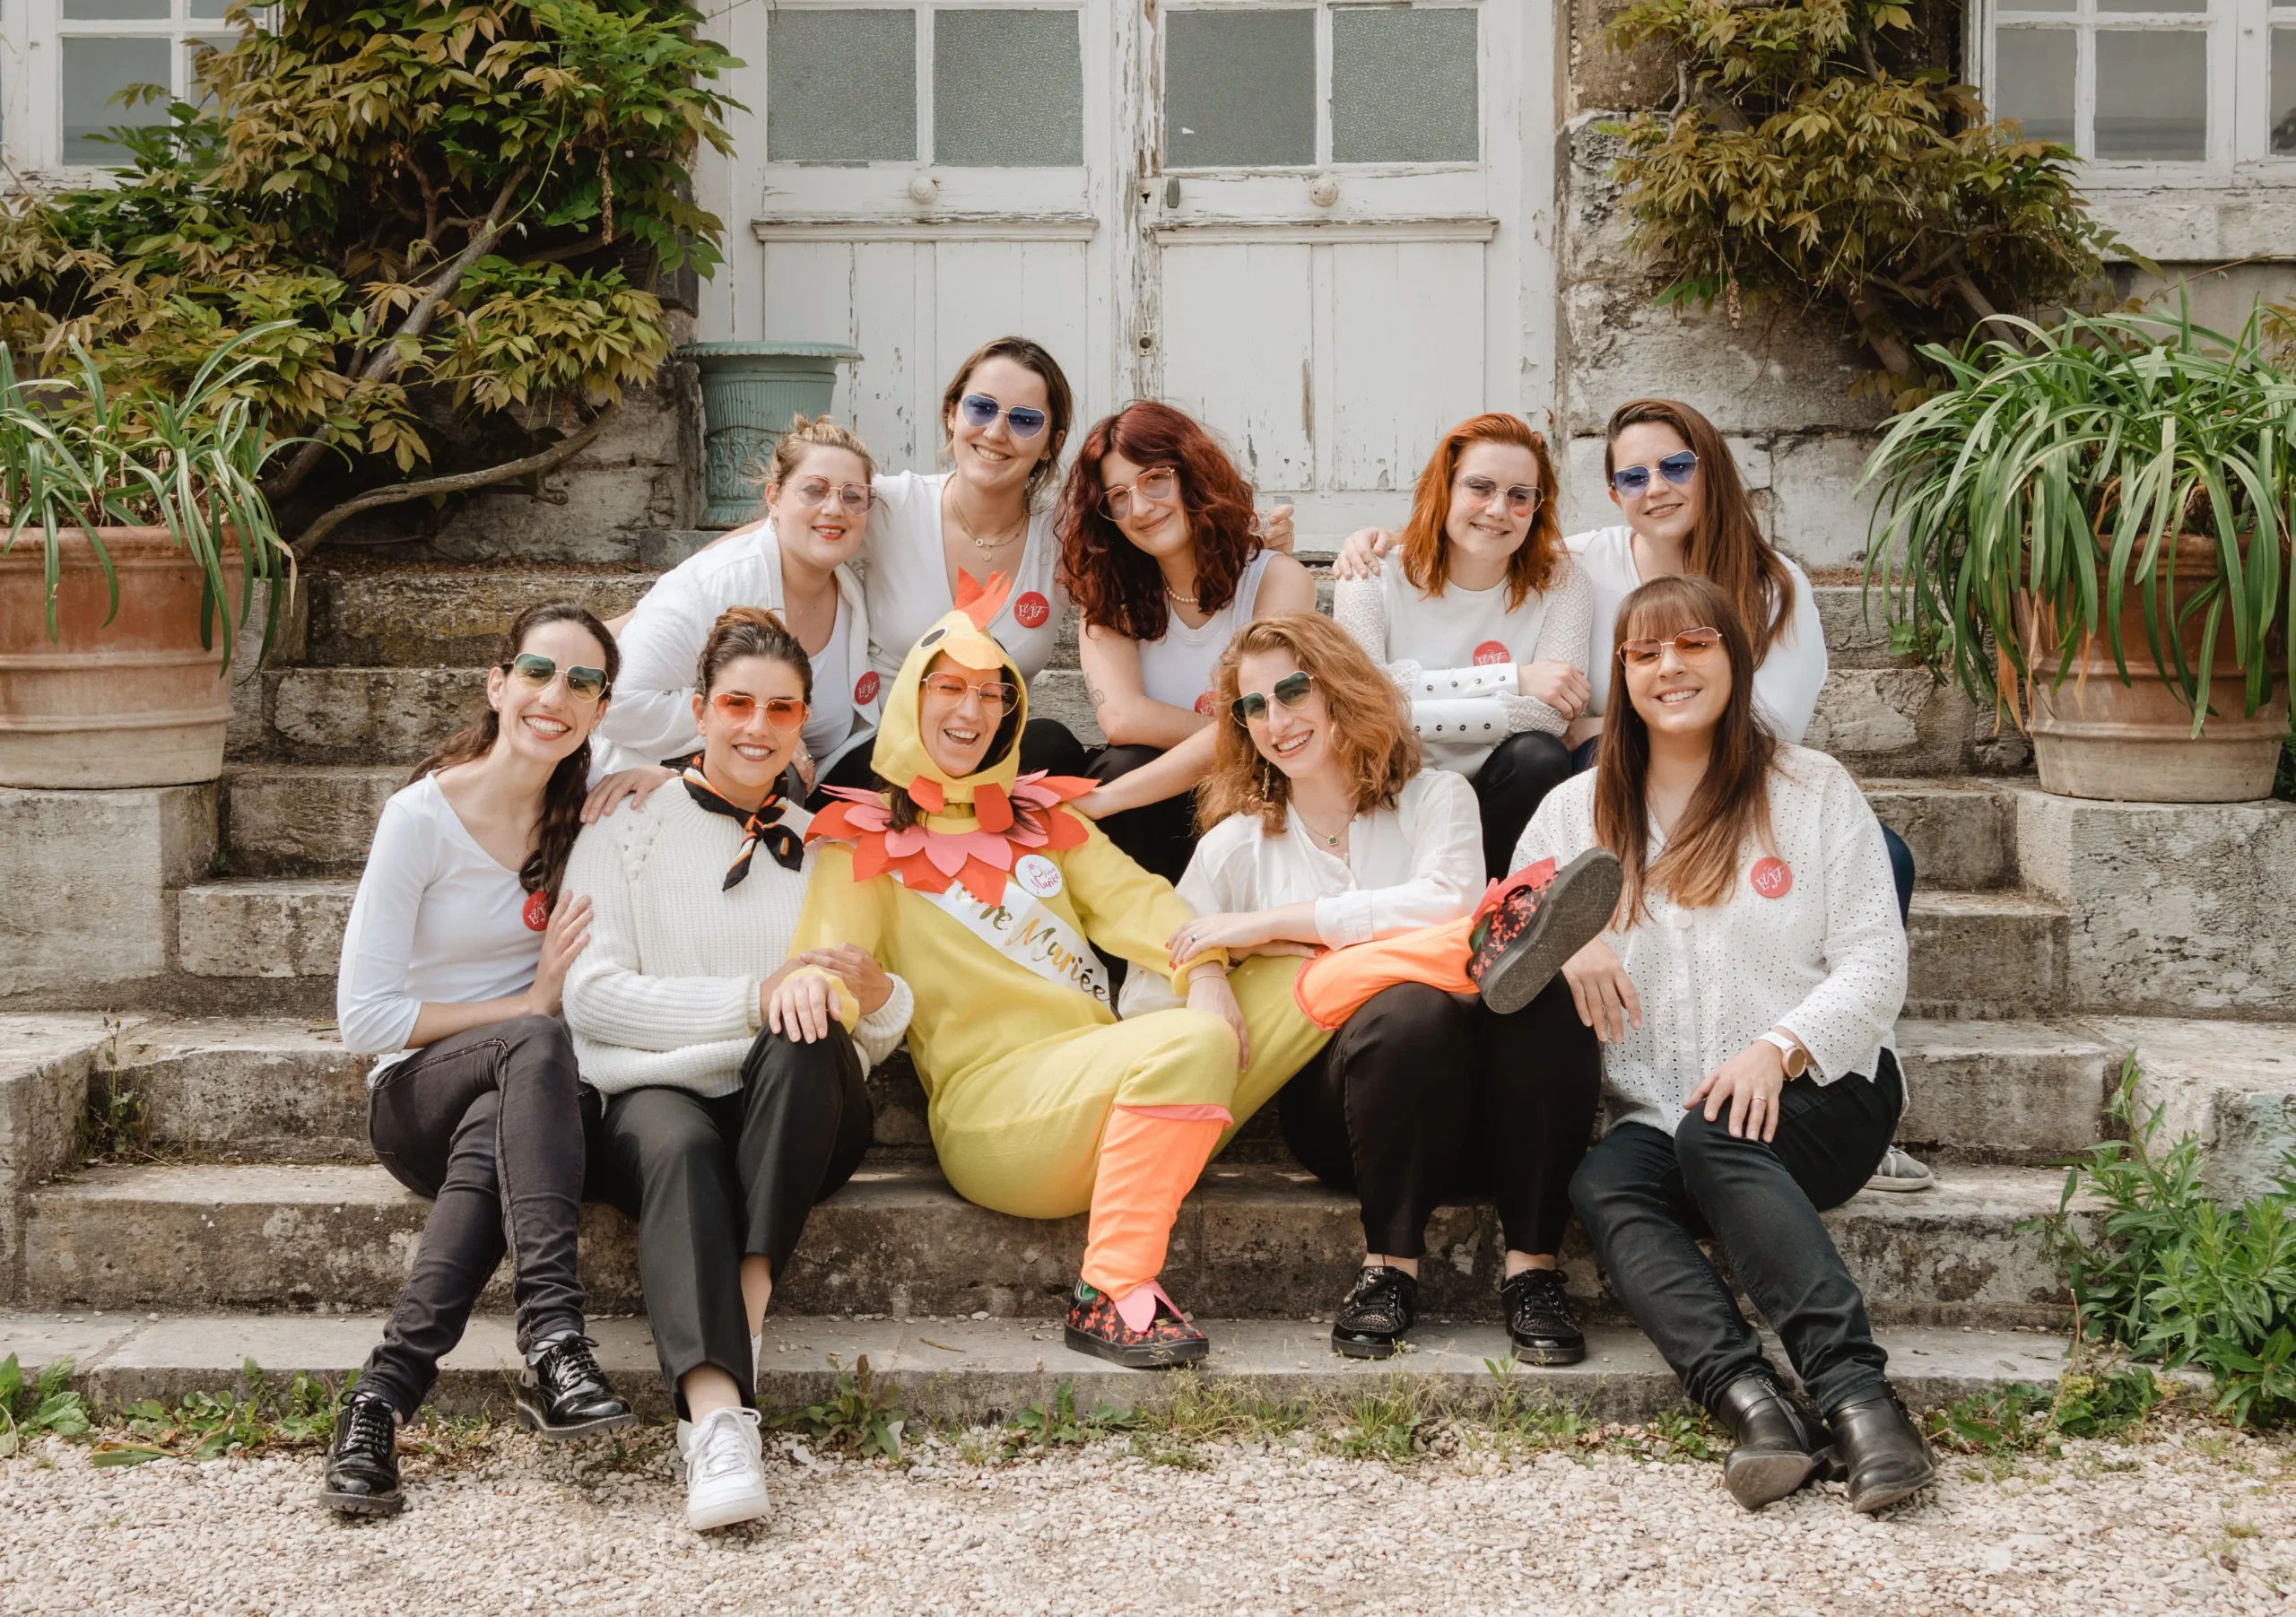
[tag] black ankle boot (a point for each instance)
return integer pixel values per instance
(563, 1393)
(1882, 1450)
(362, 1474)
(1772, 1449)
(1381, 1307)
(1539, 1320)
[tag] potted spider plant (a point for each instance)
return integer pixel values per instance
(131, 528)
(2098, 515)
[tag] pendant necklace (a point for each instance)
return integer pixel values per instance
(989, 546)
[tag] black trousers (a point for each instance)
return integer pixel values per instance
(1648, 1199)
(1509, 788)
(1421, 1100)
(489, 1125)
(711, 1181)
(1046, 744)
(1160, 837)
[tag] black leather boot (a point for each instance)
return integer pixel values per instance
(1771, 1455)
(1379, 1307)
(362, 1474)
(1884, 1453)
(563, 1393)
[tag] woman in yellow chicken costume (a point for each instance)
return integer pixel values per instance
(983, 893)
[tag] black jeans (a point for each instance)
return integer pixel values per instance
(1509, 788)
(1421, 1100)
(1160, 837)
(1648, 1200)
(489, 1125)
(1046, 744)
(711, 1181)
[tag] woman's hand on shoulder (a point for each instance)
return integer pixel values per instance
(1208, 990)
(633, 785)
(1749, 1083)
(1603, 991)
(1562, 686)
(566, 936)
(857, 969)
(1359, 557)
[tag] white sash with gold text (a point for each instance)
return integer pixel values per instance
(1022, 929)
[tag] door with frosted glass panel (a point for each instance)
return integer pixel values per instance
(64, 102)
(933, 178)
(1334, 228)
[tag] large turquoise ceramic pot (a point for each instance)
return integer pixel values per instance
(749, 392)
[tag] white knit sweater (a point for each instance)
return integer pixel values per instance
(666, 993)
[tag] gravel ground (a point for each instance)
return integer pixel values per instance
(2192, 1521)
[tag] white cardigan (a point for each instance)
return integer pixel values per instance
(651, 715)
(1419, 863)
(667, 992)
(1825, 958)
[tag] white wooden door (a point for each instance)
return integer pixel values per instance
(1344, 258)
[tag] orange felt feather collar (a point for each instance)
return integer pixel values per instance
(981, 858)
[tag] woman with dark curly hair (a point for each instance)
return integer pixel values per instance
(1161, 549)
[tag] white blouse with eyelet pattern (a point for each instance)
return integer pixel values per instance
(1814, 947)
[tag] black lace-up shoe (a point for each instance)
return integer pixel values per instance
(362, 1474)
(1379, 1308)
(1517, 949)
(1772, 1451)
(1540, 1320)
(1882, 1450)
(563, 1393)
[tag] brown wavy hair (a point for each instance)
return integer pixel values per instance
(569, 782)
(742, 631)
(1369, 724)
(1730, 807)
(1726, 543)
(1427, 549)
(1117, 585)
(1060, 404)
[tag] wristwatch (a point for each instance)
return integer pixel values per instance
(1798, 1059)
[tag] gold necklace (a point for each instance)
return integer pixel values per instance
(985, 546)
(1330, 841)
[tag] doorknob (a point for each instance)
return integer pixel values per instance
(1172, 191)
(923, 187)
(1323, 190)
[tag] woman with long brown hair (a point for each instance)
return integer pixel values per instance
(453, 962)
(1484, 621)
(1164, 555)
(1746, 992)
(1325, 833)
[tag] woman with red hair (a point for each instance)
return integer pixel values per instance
(1486, 623)
(1166, 561)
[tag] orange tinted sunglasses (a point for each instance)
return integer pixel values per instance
(782, 712)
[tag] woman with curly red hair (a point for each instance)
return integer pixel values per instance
(1162, 552)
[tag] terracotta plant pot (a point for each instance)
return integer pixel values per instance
(2096, 737)
(134, 702)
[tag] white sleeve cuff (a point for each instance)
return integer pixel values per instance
(1343, 918)
(1479, 721)
(1451, 684)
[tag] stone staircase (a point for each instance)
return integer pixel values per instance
(2048, 940)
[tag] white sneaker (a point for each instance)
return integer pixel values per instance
(725, 1470)
(1900, 1173)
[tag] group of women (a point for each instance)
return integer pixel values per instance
(1520, 838)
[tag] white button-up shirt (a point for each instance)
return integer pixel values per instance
(1809, 940)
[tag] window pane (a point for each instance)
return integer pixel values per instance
(1239, 89)
(2149, 5)
(1402, 86)
(2032, 69)
(207, 10)
(2283, 90)
(840, 86)
(95, 71)
(114, 11)
(2153, 95)
(1008, 89)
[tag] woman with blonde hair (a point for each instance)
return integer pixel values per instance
(1325, 833)
(1484, 622)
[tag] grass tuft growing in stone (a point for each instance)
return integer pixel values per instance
(859, 1416)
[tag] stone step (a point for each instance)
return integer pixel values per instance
(284, 1090)
(1989, 956)
(961, 1370)
(1254, 1240)
(426, 615)
(264, 927)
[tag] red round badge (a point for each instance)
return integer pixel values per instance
(1204, 704)
(1772, 878)
(865, 689)
(1491, 652)
(1031, 610)
(536, 914)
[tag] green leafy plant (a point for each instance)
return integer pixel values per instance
(254, 1416)
(76, 454)
(1517, 1414)
(1058, 1423)
(859, 1417)
(1384, 1424)
(2062, 469)
(2022, 1417)
(46, 1404)
(445, 222)
(1813, 157)
(2173, 1275)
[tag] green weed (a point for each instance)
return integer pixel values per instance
(254, 1416)
(48, 1405)
(1384, 1425)
(1056, 1421)
(1517, 1417)
(858, 1418)
(2021, 1417)
(113, 1129)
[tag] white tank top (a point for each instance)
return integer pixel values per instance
(830, 720)
(1177, 669)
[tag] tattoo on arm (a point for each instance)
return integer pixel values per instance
(1099, 697)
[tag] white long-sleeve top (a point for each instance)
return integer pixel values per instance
(1419, 863)
(666, 993)
(651, 715)
(1825, 958)
(436, 920)
(907, 581)
(1457, 655)
(1791, 674)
